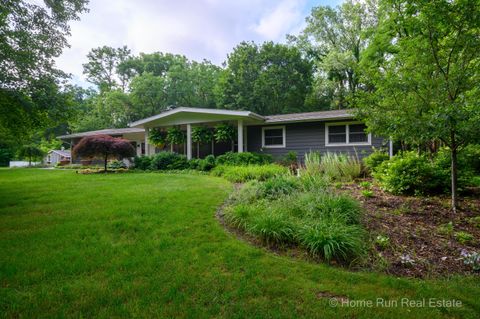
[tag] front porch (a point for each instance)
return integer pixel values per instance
(187, 119)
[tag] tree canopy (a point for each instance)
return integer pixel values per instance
(335, 40)
(422, 71)
(103, 147)
(267, 79)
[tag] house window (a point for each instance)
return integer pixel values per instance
(338, 134)
(273, 137)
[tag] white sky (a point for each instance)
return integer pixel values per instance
(198, 29)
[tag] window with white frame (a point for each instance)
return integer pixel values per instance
(273, 136)
(338, 134)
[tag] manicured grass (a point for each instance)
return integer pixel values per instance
(148, 245)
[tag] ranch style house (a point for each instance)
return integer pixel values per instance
(335, 131)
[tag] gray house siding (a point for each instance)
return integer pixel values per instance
(305, 137)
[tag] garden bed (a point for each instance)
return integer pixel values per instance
(421, 229)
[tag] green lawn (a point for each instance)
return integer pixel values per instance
(148, 245)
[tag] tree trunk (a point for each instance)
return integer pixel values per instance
(105, 163)
(454, 175)
(198, 149)
(213, 147)
(29, 161)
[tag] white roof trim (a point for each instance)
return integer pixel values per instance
(197, 110)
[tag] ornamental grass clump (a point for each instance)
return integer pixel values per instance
(240, 174)
(272, 227)
(333, 239)
(333, 166)
(279, 211)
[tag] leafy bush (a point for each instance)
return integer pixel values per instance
(408, 173)
(116, 164)
(168, 161)
(331, 239)
(205, 164)
(246, 158)
(142, 162)
(466, 168)
(208, 163)
(290, 160)
(375, 159)
(336, 167)
(239, 174)
(470, 155)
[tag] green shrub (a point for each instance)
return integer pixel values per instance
(142, 162)
(331, 239)
(408, 173)
(116, 164)
(194, 163)
(272, 227)
(168, 161)
(240, 174)
(246, 158)
(205, 164)
(470, 155)
(290, 159)
(375, 159)
(208, 163)
(466, 168)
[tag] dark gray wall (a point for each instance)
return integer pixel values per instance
(305, 137)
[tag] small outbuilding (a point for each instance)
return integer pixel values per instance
(57, 156)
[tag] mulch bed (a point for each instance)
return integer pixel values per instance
(413, 226)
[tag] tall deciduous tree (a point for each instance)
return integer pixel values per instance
(335, 38)
(267, 79)
(103, 68)
(423, 71)
(31, 36)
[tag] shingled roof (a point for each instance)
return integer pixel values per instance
(309, 116)
(108, 131)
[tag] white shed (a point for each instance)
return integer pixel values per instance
(56, 156)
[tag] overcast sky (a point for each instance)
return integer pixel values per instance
(198, 29)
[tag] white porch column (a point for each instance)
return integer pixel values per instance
(189, 141)
(147, 148)
(240, 136)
